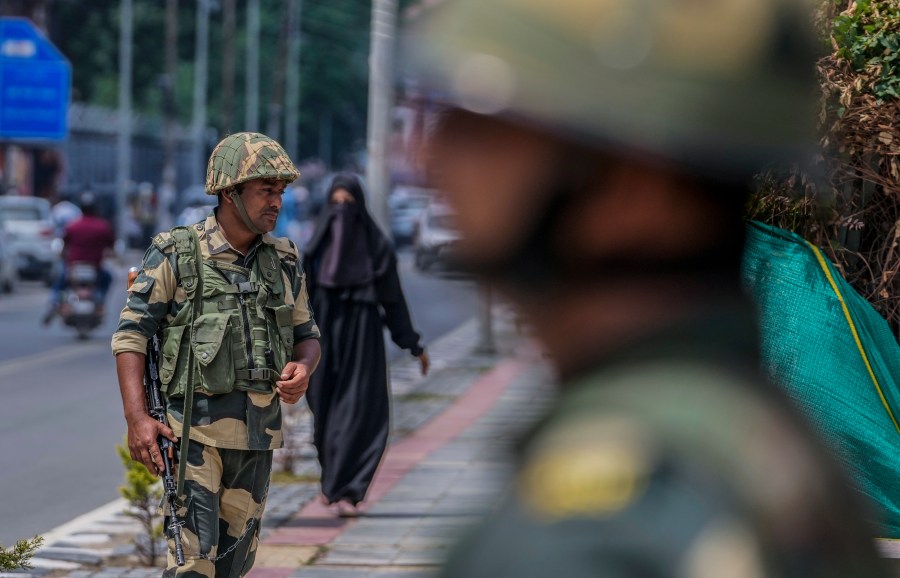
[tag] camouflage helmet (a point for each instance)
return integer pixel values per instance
(245, 156)
(716, 83)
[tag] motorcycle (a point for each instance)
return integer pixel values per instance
(79, 307)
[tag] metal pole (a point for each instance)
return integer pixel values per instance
(198, 119)
(292, 81)
(325, 138)
(228, 26)
(485, 324)
(381, 96)
(123, 165)
(276, 97)
(167, 190)
(251, 118)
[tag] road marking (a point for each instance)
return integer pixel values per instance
(40, 359)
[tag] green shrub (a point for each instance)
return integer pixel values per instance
(144, 492)
(19, 556)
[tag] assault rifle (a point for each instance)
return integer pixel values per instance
(156, 407)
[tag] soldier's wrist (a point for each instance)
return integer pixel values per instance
(132, 417)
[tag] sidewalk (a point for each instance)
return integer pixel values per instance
(445, 466)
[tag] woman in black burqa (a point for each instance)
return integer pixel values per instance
(354, 289)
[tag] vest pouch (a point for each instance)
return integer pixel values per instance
(212, 348)
(171, 373)
(281, 335)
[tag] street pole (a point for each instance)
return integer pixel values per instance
(276, 97)
(167, 190)
(251, 118)
(292, 81)
(198, 117)
(381, 97)
(228, 28)
(485, 344)
(123, 157)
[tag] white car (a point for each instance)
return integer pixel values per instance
(29, 230)
(436, 237)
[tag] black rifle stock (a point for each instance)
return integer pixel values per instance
(157, 409)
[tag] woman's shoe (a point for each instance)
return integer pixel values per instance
(346, 509)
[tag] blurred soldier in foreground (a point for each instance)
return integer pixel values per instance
(238, 339)
(599, 154)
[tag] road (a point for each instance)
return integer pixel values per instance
(61, 414)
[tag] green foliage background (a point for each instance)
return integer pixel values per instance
(848, 203)
(333, 62)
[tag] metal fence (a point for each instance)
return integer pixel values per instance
(90, 150)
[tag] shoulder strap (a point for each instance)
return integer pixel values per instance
(190, 273)
(188, 257)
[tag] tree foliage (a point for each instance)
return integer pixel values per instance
(849, 203)
(333, 63)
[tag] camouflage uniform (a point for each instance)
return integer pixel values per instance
(668, 454)
(672, 458)
(232, 434)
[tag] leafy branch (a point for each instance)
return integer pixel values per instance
(19, 556)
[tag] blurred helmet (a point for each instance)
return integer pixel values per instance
(724, 83)
(245, 156)
(87, 201)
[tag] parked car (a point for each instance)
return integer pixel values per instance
(9, 274)
(405, 213)
(436, 237)
(28, 227)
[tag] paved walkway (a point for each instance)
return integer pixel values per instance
(446, 464)
(431, 485)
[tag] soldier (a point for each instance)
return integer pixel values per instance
(599, 155)
(238, 338)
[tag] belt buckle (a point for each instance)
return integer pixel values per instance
(259, 374)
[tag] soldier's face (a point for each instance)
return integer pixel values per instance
(491, 172)
(262, 201)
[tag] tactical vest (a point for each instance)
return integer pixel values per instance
(241, 334)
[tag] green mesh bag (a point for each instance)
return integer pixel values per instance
(834, 355)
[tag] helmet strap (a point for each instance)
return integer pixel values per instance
(239, 205)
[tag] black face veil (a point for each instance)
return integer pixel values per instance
(347, 246)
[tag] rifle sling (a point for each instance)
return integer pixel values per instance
(196, 298)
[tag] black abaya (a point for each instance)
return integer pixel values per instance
(348, 393)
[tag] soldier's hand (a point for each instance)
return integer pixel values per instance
(142, 434)
(294, 381)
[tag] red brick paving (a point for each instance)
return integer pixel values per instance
(316, 525)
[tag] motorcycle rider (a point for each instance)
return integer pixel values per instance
(85, 240)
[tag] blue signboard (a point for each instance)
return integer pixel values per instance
(35, 84)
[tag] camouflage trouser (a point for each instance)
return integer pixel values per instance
(224, 492)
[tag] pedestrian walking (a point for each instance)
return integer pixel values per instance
(599, 155)
(354, 288)
(238, 339)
